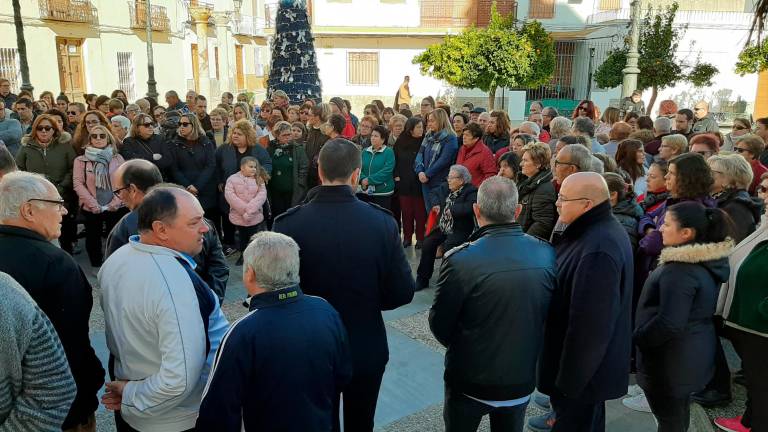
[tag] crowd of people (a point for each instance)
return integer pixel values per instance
(576, 250)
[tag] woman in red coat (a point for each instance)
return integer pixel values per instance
(475, 155)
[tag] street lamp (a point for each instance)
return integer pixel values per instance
(589, 74)
(631, 71)
(151, 83)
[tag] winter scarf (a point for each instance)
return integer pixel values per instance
(101, 159)
(446, 219)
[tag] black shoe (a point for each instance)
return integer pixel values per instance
(239, 261)
(711, 398)
(739, 378)
(419, 244)
(406, 243)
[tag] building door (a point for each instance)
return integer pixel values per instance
(195, 66)
(71, 73)
(239, 75)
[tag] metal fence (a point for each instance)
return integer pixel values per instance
(69, 10)
(439, 14)
(126, 74)
(159, 16)
(10, 68)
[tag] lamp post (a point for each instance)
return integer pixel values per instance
(151, 83)
(590, 72)
(631, 71)
(21, 44)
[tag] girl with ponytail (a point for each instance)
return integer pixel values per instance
(674, 331)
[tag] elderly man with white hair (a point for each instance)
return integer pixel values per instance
(285, 330)
(120, 127)
(31, 211)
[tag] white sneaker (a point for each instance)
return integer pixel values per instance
(637, 403)
(634, 390)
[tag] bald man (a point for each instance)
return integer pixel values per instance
(588, 334)
(705, 123)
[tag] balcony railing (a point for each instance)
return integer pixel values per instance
(440, 14)
(81, 11)
(158, 14)
(270, 15)
(245, 25)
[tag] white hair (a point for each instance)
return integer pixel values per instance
(560, 127)
(274, 258)
(462, 171)
(18, 187)
(597, 165)
(497, 199)
(662, 125)
(533, 127)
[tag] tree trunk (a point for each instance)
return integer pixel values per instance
(652, 102)
(21, 44)
(492, 98)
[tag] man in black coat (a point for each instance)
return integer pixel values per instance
(588, 335)
(31, 211)
(489, 311)
(351, 255)
(132, 181)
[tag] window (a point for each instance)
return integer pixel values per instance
(10, 67)
(363, 68)
(126, 74)
(542, 9)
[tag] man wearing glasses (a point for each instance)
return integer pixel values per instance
(704, 121)
(31, 212)
(5, 92)
(588, 334)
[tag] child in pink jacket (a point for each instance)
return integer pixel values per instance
(246, 193)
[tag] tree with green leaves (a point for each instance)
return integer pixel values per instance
(659, 66)
(753, 58)
(506, 54)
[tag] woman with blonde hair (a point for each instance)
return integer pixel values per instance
(219, 125)
(92, 174)
(610, 116)
(83, 129)
(436, 155)
(241, 143)
(194, 163)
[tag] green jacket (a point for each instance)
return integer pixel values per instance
(54, 162)
(749, 306)
(378, 167)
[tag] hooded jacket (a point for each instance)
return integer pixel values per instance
(674, 331)
(628, 213)
(55, 161)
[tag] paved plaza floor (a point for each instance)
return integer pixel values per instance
(412, 391)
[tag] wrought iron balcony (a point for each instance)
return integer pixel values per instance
(438, 14)
(270, 15)
(158, 14)
(245, 25)
(80, 11)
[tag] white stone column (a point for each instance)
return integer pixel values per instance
(222, 42)
(200, 16)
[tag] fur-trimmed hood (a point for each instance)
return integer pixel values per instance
(713, 256)
(64, 138)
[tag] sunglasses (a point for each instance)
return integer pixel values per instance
(146, 124)
(184, 124)
(44, 128)
(739, 128)
(73, 112)
(98, 136)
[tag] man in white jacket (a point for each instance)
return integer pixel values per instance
(163, 323)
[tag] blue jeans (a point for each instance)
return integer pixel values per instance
(463, 414)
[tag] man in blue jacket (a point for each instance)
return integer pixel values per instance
(281, 366)
(351, 255)
(588, 334)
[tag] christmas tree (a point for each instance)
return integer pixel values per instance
(294, 62)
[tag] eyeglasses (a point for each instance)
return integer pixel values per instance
(184, 124)
(740, 128)
(583, 108)
(73, 112)
(98, 136)
(44, 128)
(59, 202)
(146, 124)
(557, 162)
(563, 199)
(117, 191)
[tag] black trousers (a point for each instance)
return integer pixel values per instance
(672, 413)
(360, 398)
(574, 415)
(753, 350)
(227, 230)
(721, 380)
(246, 232)
(68, 236)
(381, 201)
(280, 203)
(94, 228)
(463, 414)
(428, 253)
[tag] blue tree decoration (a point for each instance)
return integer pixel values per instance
(294, 62)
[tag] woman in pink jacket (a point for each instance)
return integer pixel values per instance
(246, 193)
(92, 178)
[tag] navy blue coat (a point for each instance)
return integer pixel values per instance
(351, 255)
(279, 368)
(588, 335)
